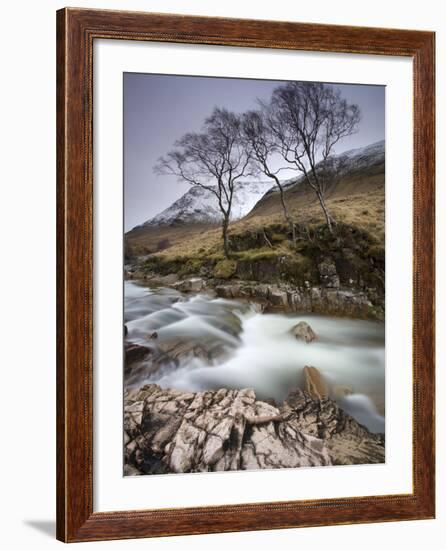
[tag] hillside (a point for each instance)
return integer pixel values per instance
(356, 198)
(362, 172)
(150, 239)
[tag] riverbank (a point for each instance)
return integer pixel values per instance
(285, 297)
(341, 274)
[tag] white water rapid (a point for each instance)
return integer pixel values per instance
(259, 350)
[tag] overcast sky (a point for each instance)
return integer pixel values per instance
(159, 109)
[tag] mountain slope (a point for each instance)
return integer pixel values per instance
(200, 205)
(360, 170)
(356, 197)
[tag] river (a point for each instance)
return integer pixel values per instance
(250, 349)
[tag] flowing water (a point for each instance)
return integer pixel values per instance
(254, 350)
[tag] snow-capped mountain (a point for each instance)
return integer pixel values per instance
(200, 205)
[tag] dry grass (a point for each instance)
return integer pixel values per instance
(358, 203)
(365, 211)
(153, 239)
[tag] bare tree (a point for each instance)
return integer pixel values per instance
(262, 144)
(307, 120)
(214, 159)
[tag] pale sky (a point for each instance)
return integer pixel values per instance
(159, 109)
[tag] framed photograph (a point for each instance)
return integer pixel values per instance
(245, 275)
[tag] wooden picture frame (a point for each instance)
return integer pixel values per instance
(76, 31)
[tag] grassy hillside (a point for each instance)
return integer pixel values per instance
(356, 201)
(145, 240)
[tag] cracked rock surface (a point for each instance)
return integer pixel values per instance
(172, 431)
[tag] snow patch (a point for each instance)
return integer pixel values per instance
(200, 205)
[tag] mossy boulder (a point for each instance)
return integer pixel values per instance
(238, 242)
(225, 269)
(258, 238)
(191, 266)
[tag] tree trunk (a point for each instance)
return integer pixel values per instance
(286, 214)
(328, 218)
(225, 236)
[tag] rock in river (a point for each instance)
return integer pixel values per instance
(196, 284)
(303, 331)
(315, 383)
(135, 353)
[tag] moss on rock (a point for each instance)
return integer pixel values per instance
(225, 269)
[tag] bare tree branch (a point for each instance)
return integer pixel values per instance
(307, 120)
(214, 159)
(260, 139)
